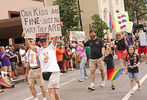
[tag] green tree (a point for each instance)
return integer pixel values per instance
(69, 14)
(136, 8)
(99, 25)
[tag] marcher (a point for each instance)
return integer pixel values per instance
(33, 72)
(81, 51)
(142, 49)
(120, 45)
(96, 57)
(110, 64)
(49, 65)
(132, 63)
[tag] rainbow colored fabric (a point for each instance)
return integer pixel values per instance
(114, 74)
(111, 26)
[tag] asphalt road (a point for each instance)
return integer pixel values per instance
(71, 89)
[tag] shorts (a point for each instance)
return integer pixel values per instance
(96, 63)
(32, 77)
(13, 65)
(53, 81)
(142, 50)
(133, 75)
(120, 53)
(6, 68)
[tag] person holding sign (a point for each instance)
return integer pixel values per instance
(33, 75)
(49, 66)
(142, 41)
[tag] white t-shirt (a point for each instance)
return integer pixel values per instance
(22, 52)
(48, 60)
(32, 58)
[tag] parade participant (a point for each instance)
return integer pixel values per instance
(120, 45)
(33, 71)
(142, 49)
(82, 52)
(110, 64)
(96, 57)
(49, 66)
(129, 39)
(132, 63)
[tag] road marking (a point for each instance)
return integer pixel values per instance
(128, 95)
(47, 90)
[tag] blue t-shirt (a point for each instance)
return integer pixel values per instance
(5, 61)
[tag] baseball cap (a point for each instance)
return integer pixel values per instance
(42, 38)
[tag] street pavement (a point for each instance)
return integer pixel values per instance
(71, 89)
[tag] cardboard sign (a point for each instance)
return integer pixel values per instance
(121, 21)
(143, 39)
(79, 34)
(41, 20)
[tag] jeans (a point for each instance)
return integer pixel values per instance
(83, 72)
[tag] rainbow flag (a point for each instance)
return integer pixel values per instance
(110, 23)
(113, 75)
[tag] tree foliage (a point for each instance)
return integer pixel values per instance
(69, 14)
(135, 8)
(99, 25)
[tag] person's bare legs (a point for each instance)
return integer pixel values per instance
(51, 92)
(92, 76)
(43, 91)
(121, 63)
(57, 96)
(102, 75)
(33, 91)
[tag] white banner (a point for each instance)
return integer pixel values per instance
(79, 34)
(41, 20)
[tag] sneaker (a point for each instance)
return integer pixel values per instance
(44, 99)
(85, 78)
(81, 80)
(102, 84)
(72, 69)
(139, 86)
(132, 91)
(35, 98)
(91, 87)
(113, 87)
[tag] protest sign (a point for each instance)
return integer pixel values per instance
(79, 34)
(121, 21)
(41, 20)
(143, 39)
(129, 30)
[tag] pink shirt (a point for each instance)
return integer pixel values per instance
(81, 51)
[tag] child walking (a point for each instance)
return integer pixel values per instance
(132, 63)
(110, 65)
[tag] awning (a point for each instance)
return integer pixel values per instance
(10, 28)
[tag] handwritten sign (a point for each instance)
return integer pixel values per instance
(79, 34)
(121, 21)
(143, 39)
(41, 20)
